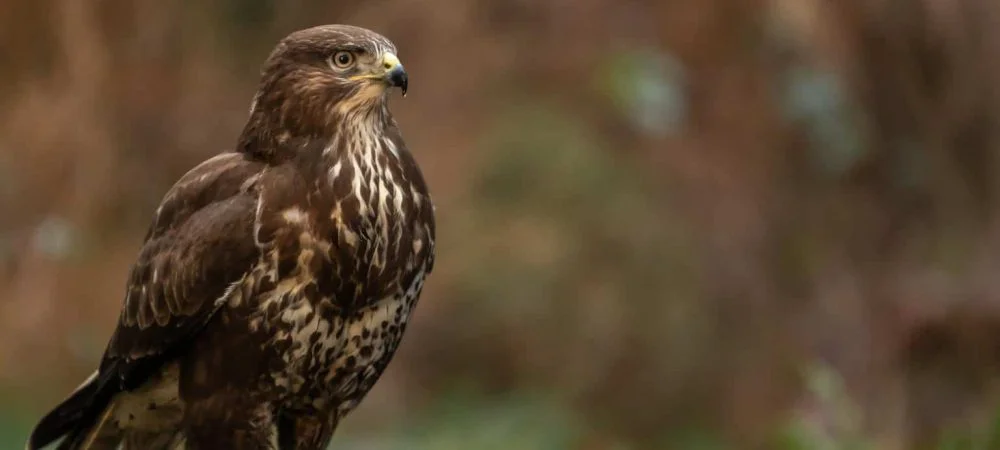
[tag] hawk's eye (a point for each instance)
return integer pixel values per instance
(342, 60)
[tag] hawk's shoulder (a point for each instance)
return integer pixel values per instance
(200, 243)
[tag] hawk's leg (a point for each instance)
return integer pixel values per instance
(228, 422)
(311, 431)
(225, 407)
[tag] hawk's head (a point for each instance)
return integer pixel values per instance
(317, 75)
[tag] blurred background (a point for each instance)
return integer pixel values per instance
(663, 224)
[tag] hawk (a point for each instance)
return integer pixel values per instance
(276, 280)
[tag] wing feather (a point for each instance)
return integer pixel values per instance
(200, 243)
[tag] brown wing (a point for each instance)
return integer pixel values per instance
(200, 243)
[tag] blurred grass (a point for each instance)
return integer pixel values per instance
(461, 421)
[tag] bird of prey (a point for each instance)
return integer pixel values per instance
(276, 280)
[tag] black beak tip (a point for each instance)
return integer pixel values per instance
(398, 78)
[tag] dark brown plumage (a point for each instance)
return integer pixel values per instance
(275, 282)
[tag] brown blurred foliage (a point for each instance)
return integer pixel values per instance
(650, 279)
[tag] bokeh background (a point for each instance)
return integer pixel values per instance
(663, 224)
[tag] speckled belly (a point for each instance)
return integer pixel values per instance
(330, 359)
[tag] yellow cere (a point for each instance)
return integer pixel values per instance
(389, 62)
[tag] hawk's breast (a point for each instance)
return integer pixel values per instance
(347, 268)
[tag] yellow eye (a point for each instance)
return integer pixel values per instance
(343, 60)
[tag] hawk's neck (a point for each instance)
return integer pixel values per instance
(275, 136)
(362, 134)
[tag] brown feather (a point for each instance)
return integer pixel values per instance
(275, 282)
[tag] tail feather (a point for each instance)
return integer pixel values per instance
(74, 417)
(99, 436)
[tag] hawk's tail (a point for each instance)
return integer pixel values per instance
(79, 418)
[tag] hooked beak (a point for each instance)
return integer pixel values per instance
(394, 75)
